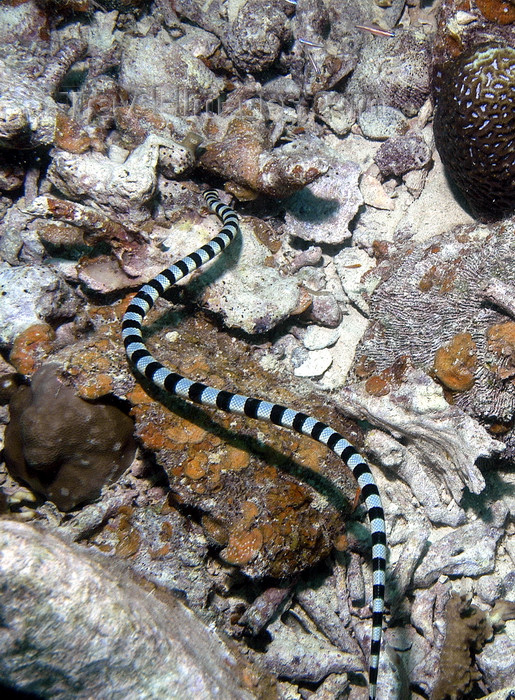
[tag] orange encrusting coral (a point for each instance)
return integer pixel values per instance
(497, 11)
(31, 347)
(456, 362)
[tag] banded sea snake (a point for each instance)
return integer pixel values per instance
(199, 393)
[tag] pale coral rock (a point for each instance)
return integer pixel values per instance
(380, 122)
(335, 110)
(392, 72)
(254, 39)
(164, 644)
(158, 70)
(352, 264)
(316, 363)
(299, 655)
(265, 297)
(28, 115)
(374, 193)
(317, 338)
(122, 189)
(404, 462)
(466, 551)
(497, 662)
(446, 441)
(31, 294)
(322, 211)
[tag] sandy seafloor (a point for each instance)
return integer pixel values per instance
(355, 293)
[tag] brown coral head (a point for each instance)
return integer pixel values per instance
(474, 126)
(62, 446)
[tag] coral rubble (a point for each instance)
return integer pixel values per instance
(361, 290)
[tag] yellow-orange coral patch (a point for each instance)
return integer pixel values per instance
(31, 347)
(499, 11)
(243, 547)
(455, 363)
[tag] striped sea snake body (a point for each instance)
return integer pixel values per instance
(199, 393)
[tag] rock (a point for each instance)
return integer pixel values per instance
(156, 63)
(241, 153)
(295, 655)
(316, 363)
(264, 296)
(322, 211)
(255, 37)
(381, 122)
(393, 72)
(57, 630)
(122, 189)
(466, 551)
(318, 338)
(31, 294)
(497, 663)
(400, 154)
(409, 404)
(405, 462)
(335, 110)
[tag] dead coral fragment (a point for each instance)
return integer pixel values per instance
(29, 117)
(64, 447)
(255, 37)
(27, 114)
(400, 154)
(157, 65)
(393, 72)
(124, 187)
(243, 155)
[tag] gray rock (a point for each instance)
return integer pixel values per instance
(497, 662)
(322, 211)
(297, 655)
(335, 110)
(382, 122)
(32, 294)
(467, 551)
(160, 73)
(264, 296)
(255, 37)
(402, 154)
(393, 72)
(445, 441)
(75, 627)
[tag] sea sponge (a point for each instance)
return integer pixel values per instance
(62, 446)
(468, 628)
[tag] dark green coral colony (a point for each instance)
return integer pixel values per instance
(474, 126)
